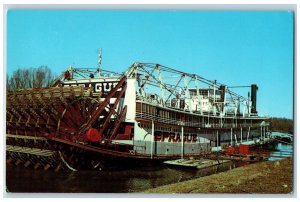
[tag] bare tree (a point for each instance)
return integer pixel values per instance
(30, 78)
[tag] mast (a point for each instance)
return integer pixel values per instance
(99, 61)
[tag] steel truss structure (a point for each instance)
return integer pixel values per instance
(162, 85)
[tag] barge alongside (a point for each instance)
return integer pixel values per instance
(149, 112)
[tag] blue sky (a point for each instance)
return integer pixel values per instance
(235, 48)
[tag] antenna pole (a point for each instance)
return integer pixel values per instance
(99, 61)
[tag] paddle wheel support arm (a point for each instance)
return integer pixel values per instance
(96, 114)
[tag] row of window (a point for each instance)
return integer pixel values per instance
(148, 128)
(178, 116)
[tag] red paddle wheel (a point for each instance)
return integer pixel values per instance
(50, 126)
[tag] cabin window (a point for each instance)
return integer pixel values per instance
(178, 116)
(172, 115)
(151, 110)
(193, 93)
(138, 107)
(143, 108)
(148, 110)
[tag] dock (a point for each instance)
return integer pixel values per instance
(193, 163)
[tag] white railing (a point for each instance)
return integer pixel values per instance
(173, 121)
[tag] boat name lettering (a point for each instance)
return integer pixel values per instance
(104, 87)
(97, 87)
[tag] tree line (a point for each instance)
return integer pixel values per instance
(281, 125)
(30, 78)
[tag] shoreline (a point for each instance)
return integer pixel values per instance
(269, 177)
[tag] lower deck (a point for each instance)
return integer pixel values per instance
(184, 143)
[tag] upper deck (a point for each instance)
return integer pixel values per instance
(170, 89)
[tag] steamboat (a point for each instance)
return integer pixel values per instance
(149, 112)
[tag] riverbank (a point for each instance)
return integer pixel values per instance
(270, 177)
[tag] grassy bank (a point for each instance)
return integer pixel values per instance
(271, 177)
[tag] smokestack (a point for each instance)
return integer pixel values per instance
(222, 89)
(254, 90)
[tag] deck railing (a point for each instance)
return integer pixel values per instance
(173, 121)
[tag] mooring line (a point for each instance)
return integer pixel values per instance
(289, 143)
(63, 160)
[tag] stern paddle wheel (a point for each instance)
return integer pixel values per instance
(54, 127)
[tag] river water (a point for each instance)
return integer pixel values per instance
(21, 179)
(281, 150)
